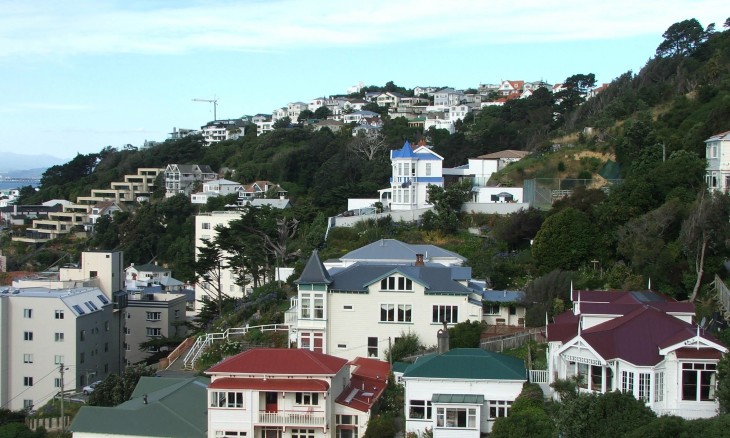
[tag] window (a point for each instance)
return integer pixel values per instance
(449, 314)
(205, 225)
(154, 316)
(27, 404)
(306, 306)
(372, 347)
(27, 336)
(318, 306)
(499, 408)
(78, 309)
(228, 434)
(93, 274)
(627, 382)
(106, 347)
(698, 381)
(27, 313)
(395, 312)
(644, 386)
(491, 309)
(428, 169)
(103, 299)
(82, 357)
(396, 283)
(59, 314)
(58, 359)
(342, 346)
(582, 375)
(419, 409)
(154, 332)
(512, 310)
(56, 382)
(91, 306)
(127, 331)
(226, 399)
(302, 433)
(27, 358)
(659, 386)
(27, 381)
(596, 378)
(106, 326)
(347, 307)
(350, 422)
(307, 398)
(465, 418)
(127, 347)
(82, 335)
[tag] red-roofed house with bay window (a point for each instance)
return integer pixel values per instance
(640, 342)
(277, 393)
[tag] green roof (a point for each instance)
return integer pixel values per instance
(400, 367)
(473, 399)
(468, 363)
(174, 408)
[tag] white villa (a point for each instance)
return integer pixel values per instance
(718, 162)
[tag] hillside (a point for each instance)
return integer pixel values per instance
(646, 128)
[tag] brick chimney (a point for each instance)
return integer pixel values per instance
(419, 260)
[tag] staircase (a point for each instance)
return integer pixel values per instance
(204, 341)
(722, 295)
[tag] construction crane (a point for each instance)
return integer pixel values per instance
(214, 101)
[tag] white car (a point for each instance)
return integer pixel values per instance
(88, 389)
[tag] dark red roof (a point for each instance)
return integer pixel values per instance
(698, 353)
(311, 385)
(367, 384)
(637, 336)
(280, 361)
(563, 328)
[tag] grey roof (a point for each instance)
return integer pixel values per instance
(435, 278)
(395, 251)
(149, 267)
(274, 203)
(174, 408)
(314, 272)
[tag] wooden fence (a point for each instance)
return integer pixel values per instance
(513, 340)
(51, 424)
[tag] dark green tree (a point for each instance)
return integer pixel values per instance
(682, 38)
(283, 122)
(116, 389)
(322, 113)
(466, 334)
(601, 415)
(447, 202)
(407, 344)
(305, 115)
(566, 241)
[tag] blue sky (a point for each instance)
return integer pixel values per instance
(78, 76)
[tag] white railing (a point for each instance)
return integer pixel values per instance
(292, 418)
(205, 340)
(539, 376)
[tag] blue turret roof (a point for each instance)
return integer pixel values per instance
(405, 152)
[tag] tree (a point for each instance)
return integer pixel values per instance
(682, 38)
(209, 270)
(704, 231)
(305, 115)
(601, 415)
(283, 122)
(574, 91)
(406, 345)
(466, 334)
(723, 385)
(566, 241)
(368, 146)
(447, 204)
(116, 389)
(322, 113)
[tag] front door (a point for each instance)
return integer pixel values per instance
(272, 402)
(271, 432)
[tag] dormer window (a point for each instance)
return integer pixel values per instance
(396, 283)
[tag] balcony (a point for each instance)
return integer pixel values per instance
(291, 418)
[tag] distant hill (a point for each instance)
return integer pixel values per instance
(30, 165)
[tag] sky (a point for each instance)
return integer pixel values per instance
(78, 76)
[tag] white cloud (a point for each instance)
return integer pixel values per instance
(37, 27)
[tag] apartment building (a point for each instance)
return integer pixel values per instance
(182, 178)
(151, 316)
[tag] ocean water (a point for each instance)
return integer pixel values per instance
(7, 185)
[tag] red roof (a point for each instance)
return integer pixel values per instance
(637, 337)
(563, 328)
(367, 384)
(619, 302)
(280, 361)
(310, 385)
(698, 353)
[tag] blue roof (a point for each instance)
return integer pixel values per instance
(503, 296)
(405, 152)
(436, 279)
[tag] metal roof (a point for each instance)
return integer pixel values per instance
(470, 399)
(436, 279)
(467, 363)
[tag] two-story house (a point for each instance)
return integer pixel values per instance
(356, 310)
(717, 154)
(181, 178)
(413, 170)
(215, 188)
(480, 169)
(640, 342)
(278, 393)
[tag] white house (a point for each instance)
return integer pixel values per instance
(461, 392)
(355, 310)
(718, 162)
(481, 168)
(181, 178)
(220, 130)
(639, 342)
(412, 172)
(215, 188)
(268, 392)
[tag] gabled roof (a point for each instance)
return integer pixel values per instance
(148, 267)
(395, 251)
(614, 302)
(436, 279)
(637, 337)
(279, 361)
(174, 407)
(467, 363)
(503, 296)
(721, 136)
(314, 271)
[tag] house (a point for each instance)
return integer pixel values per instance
(504, 307)
(413, 171)
(389, 98)
(152, 315)
(215, 188)
(460, 392)
(159, 407)
(508, 87)
(359, 116)
(220, 130)
(182, 178)
(366, 130)
(180, 133)
(260, 189)
(395, 252)
(480, 169)
(640, 342)
(44, 330)
(447, 97)
(293, 109)
(106, 208)
(292, 392)
(354, 310)
(332, 125)
(717, 155)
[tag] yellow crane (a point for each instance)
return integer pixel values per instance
(214, 101)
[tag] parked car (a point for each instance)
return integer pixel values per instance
(88, 389)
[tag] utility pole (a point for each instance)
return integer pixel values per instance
(214, 101)
(63, 421)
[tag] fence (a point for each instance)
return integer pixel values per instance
(51, 424)
(514, 340)
(165, 362)
(723, 296)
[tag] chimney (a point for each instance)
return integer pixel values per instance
(144, 398)
(419, 260)
(443, 339)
